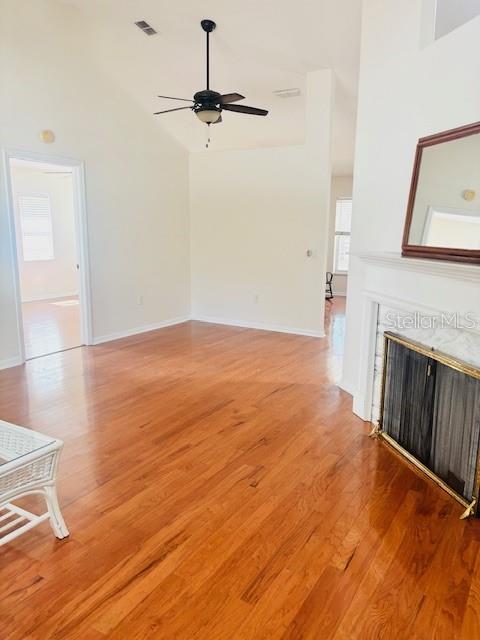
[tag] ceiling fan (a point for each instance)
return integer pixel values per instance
(207, 104)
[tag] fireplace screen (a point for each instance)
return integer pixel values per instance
(431, 414)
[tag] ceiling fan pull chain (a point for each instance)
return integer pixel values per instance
(208, 136)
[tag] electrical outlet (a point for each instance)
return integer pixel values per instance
(140, 301)
(256, 298)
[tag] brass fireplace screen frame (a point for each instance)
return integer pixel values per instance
(377, 431)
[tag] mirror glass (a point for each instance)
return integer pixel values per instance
(446, 210)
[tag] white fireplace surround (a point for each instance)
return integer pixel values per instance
(419, 289)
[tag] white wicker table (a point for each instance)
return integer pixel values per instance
(28, 466)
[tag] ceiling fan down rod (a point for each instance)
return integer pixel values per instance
(208, 60)
(208, 26)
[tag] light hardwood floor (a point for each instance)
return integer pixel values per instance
(217, 486)
(50, 326)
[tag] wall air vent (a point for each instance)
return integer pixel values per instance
(146, 28)
(287, 93)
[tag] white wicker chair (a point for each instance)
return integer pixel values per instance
(30, 467)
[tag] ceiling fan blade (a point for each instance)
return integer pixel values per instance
(157, 113)
(241, 108)
(230, 97)
(172, 98)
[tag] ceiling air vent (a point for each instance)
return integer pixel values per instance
(287, 93)
(146, 28)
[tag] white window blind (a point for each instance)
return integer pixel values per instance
(36, 221)
(343, 226)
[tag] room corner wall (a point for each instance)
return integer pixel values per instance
(254, 215)
(136, 174)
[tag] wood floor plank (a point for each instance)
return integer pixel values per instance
(218, 487)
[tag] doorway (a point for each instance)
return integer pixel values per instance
(338, 262)
(48, 238)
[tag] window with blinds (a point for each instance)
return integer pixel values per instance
(36, 222)
(343, 225)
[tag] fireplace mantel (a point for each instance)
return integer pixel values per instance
(414, 286)
(391, 260)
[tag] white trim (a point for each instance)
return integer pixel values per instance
(363, 396)
(11, 362)
(347, 386)
(372, 300)
(7, 178)
(144, 329)
(81, 237)
(439, 268)
(360, 407)
(259, 326)
(52, 296)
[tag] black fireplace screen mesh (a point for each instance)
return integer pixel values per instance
(433, 412)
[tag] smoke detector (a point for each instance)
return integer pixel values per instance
(293, 92)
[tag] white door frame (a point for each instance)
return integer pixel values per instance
(81, 237)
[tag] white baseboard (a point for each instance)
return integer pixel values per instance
(50, 296)
(360, 407)
(259, 325)
(144, 329)
(11, 362)
(347, 386)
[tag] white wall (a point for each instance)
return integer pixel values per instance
(405, 92)
(47, 278)
(254, 215)
(342, 187)
(136, 175)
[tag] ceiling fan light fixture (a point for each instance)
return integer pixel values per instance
(208, 116)
(208, 104)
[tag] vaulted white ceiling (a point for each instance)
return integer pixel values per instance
(257, 48)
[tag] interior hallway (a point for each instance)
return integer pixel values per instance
(51, 325)
(238, 497)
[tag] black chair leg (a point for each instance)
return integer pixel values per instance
(328, 286)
